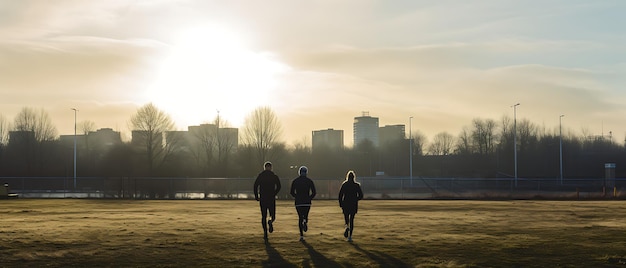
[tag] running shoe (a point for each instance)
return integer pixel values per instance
(304, 226)
(269, 222)
(301, 238)
(350, 239)
(346, 232)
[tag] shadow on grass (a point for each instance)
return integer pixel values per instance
(383, 259)
(318, 259)
(274, 259)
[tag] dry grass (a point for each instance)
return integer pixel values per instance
(197, 233)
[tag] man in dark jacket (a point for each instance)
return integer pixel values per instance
(303, 190)
(267, 185)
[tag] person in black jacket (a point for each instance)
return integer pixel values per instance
(303, 190)
(267, 184)
(349, 197)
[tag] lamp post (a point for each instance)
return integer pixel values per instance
(411, 151)
(561, 149)
(515, 138)
(75, 110)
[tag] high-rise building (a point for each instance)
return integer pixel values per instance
(178, 140)
(104, 137)
(390, 133)
(228, 138)
(203, 130)
(94, 140)
(101, 141)
(95, 144)
(366, 128)
(327, 138)
(223, 138)
(67, 141)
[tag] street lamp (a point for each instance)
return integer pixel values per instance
(515, 138)
(561, 149)
(75, 110)
(411, 151)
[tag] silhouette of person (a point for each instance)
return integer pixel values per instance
(303, 190)
(267, 184)
(349, 197)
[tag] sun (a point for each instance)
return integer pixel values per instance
(210, 69)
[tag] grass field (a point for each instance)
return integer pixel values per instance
(198, 233)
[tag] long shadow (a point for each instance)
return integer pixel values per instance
(383, 259)
(274, 259)
(318, 259)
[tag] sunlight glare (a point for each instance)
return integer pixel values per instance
(210, 69)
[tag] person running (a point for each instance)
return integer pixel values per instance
(349, 197)
(267, 185)
(303, 190)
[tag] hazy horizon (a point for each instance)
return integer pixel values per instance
(318, 64)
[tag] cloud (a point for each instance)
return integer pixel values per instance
(102, 77)
(75, 67)
(444, 62)
(445, 86)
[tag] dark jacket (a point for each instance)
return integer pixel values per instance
(350, 194)
(267, 184)
(303, 190)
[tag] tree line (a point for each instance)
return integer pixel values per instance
(484, 148)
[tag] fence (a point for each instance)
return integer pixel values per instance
(373, 187)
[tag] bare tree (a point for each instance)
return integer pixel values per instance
(506, 131)
(214, 144)
(226, 140)
(37, 130)
(203, 140)
(301, 153)
(150, 124)
(527, 133)
(442, 144)
(86, 126)
(302, 145)
(586, 134)
(464, 144)
(5, 127)
(36, 121)
(261, 132)
(483, 136)
(419, 142)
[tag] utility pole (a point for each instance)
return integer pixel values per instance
(561, 149)
(75, 110)
(515, 138)
(411, 151)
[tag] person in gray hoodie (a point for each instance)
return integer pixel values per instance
(303, 190)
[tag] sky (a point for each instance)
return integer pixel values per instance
(318, 64)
